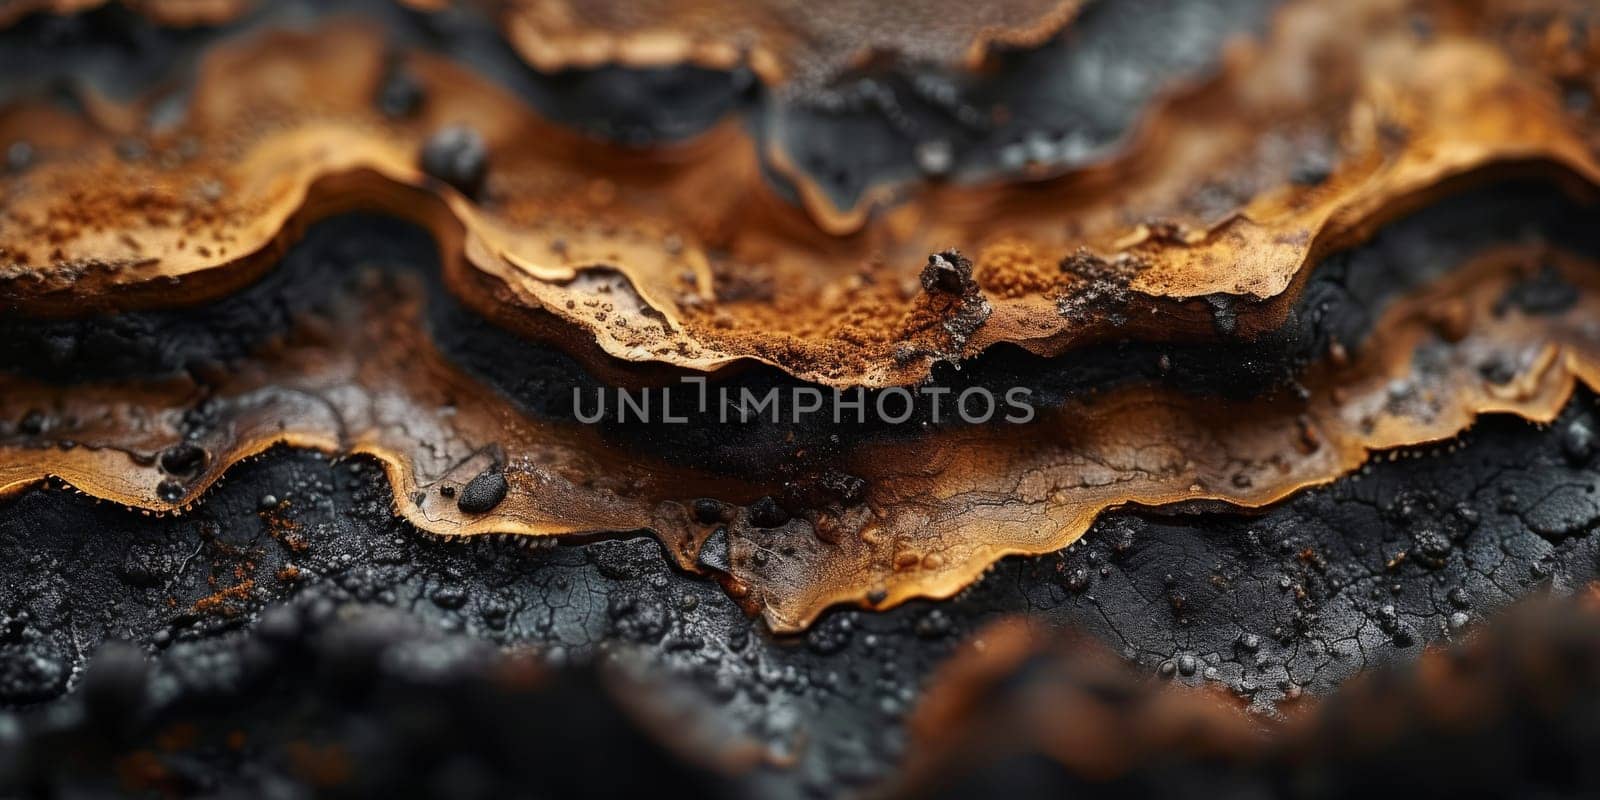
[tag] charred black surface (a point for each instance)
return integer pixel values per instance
(1411, 549)
(342, 702)
(293, 547)
(313, 543)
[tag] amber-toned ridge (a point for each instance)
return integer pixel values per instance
(936, 509)
(683, 255)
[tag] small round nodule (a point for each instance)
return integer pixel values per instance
(183, 458)
(483, 493)
(935, 157)
(458, 156)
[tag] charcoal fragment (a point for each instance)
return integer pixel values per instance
(483, 492)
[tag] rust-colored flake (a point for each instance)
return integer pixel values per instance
(937, 508)
(683, 255)
(942, 508)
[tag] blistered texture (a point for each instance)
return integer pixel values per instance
(683, 255)
(291, 586)
(1508, 712)
(781, 40)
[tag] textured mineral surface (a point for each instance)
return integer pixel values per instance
(832, 399)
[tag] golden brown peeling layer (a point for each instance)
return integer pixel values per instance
(943, 508)
(682, 255)
(937, 509)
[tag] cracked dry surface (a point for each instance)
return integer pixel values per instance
(683, 255)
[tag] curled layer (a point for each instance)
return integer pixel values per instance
(918, 516)
(683, 255)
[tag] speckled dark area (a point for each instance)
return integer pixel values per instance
(1292, 600)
